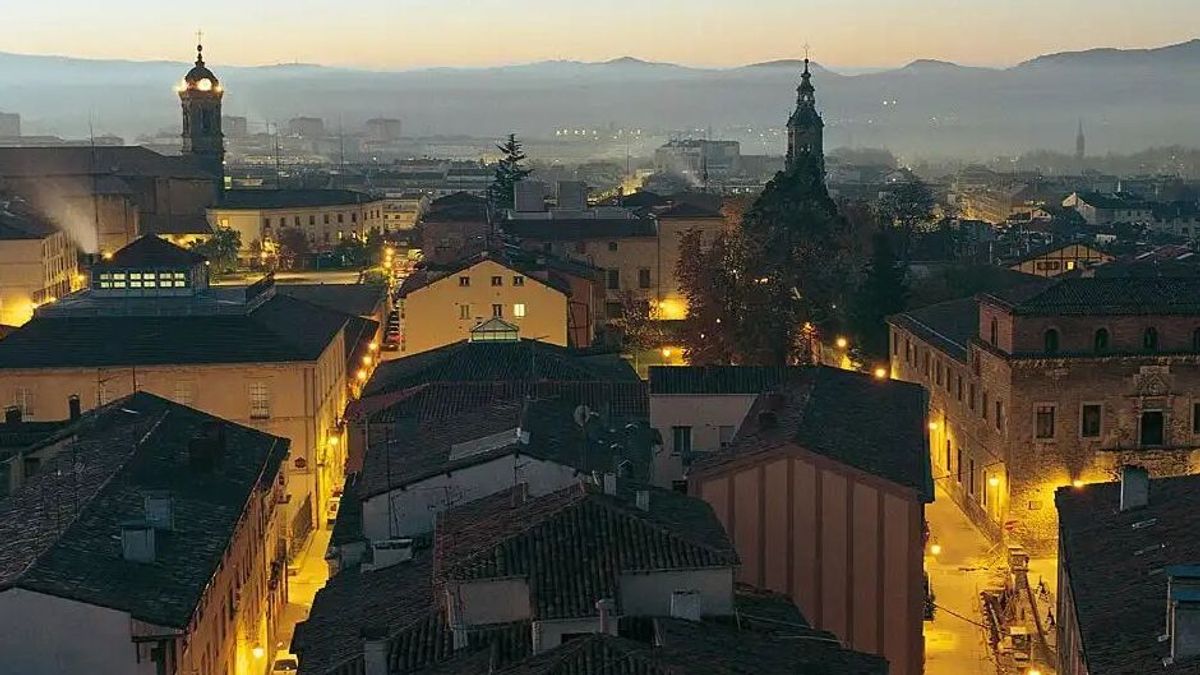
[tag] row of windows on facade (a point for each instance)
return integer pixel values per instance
(518, 311)
(613, 279)
(465, 282)
(943, 376)
(967, 478)
(1151, 423)
(312, 219)
(1101, 339)
(142, 280)
(184, 393)
(681, 438)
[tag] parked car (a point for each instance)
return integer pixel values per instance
(285, 663)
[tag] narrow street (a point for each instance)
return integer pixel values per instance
(955, 641)
(303, 587)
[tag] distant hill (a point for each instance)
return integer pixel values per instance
(1128, 99)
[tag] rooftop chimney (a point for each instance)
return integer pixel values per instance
(1135, 487)
(686, 604)
(605, 606)
(73, 407)
(137, 541)
(520, 493)
(375, 650)
(12, 415)
(1183, 611)
(610, 483)
(643, 500)
(160, 509)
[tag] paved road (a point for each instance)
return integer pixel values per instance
(966, 565)
(303, 587)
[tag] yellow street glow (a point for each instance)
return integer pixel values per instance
(666, 352)
(1077, 483)
(933, 426)
(842, 343)
(333, 440)
(935, 549)
(362, 374)
(993, 481)
(367, 360)
(258, 651)
(881, 373)
(373, 346)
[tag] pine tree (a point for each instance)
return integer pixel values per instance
(509, 171)
(884, 291)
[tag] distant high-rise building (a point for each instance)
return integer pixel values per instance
(235, 127)
(306, 127)
(200, 95)
(805, 130)
(1080, 142)
(10, 125)
(383, 129)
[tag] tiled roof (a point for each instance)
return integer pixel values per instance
(570, 229)
(619, 400)
(174, 223)
(467, 361)
(1101, 200)
(423, 277)
(61, 530)
(1115, 562)
(1103, 296)
(573, 544)
(687, 209)
(348, 526)
(151, 251)
(428, 447)
(876, 427)
(358, 299)
(291, 199)
(281, 329)
(1055, 247)
(718, 379)
(947, 325)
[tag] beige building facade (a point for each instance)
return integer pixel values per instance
(325, 216)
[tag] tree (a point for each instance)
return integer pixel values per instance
(884, 291)
(907, 206)
(509, 171)
(351, 251)
(221, 249)
(293, 246)
(708, 278)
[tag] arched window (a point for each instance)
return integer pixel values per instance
(1050, 339)
(1150, 339)
(1100, 341)
(993, 332)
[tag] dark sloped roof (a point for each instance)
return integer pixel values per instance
(876, 427)
(358, 299)
(423, 277)
(348, 527)
(467, 361)
(151, 251)
(1114, 561)
(1054, 247)
(281, 329)
(174, 223)
(19, 220)
(949, 326)
(718, 379)
(82, 160)
(573, 544)
(688, 209)
(62, 529)
(418, 451)
(291, 199)
(569, 229)
(1091, 296)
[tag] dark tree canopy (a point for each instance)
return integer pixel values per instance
(509, 171)
(883, 292)
(906, 207)
(293, 246)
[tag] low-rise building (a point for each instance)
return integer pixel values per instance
(485, 297)
(325, 216)
(147, 540)
(1055, 259)
(1127, 575)
(1042, 385)
(1181, 219)
(823, 493)
(1099, 208)
(38, 262)
(150, 322)
(455, 226)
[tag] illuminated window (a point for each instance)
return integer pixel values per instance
(519, 310)
(260, 400)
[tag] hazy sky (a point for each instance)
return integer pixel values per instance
(409, 33)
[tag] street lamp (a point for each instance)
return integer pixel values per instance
(881, 373)
(842, 343)
(935, 549)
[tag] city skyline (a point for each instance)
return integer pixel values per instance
(421, 33)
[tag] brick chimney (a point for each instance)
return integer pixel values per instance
(1135, 487)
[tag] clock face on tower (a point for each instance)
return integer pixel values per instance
(204, 84)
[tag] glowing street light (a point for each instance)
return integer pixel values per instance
(366, 360)
(933, 426)
(1077, 483)
(374, 346)
(666, 352)
(333, 441)
(258, 651)
(994, 481)
(881, 373)
(935, 549)
(361, 374)
(842, 343)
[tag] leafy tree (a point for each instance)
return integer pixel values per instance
(374, 278)
(509, 171)
(906, 207)
(351, 251)
(884, 291)
(709, 279)
(293, 246)
(221, 249)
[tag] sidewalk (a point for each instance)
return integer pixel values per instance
(303, 587)
(957, 645)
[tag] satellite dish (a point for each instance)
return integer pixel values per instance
(582, 414)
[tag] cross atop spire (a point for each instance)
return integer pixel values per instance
(199, 48)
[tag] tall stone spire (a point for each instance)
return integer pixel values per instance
(805, 130)
(1080, 143)
(200, 94)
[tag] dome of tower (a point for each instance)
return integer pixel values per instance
(200, 77)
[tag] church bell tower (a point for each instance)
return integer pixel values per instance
(805, 130)
(200, 94)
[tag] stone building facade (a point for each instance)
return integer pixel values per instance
(1055, 384)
